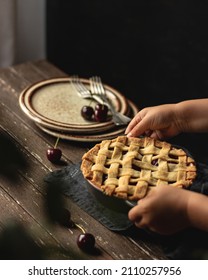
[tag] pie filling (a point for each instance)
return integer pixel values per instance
(126, 167)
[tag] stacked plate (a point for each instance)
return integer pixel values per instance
(55, 107)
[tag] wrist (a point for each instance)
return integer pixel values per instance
(183, 207)
(187, 207)
(197, 211)
(192, 115)
(180, 118)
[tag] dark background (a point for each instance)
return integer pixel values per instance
(153, 52)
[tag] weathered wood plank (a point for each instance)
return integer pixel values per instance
(40, 68)
(12, 212)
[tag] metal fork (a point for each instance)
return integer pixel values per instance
(96, 87)
(82, 90)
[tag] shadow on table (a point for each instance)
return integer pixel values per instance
(11, 159)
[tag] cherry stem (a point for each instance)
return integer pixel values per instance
(57, 140)
(90, 102)
(80, 227)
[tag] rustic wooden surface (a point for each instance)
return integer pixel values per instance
(24, 200)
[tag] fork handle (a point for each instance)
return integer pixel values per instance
(104, 100)
(118, 118)
(97, 98)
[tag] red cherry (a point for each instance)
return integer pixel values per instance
(54, 154)
(101, 112)
(87, 112)
(100, 116)
(86, 241)
(101, 107)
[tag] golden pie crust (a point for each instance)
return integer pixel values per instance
(126, 167)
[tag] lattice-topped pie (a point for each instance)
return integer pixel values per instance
(127, 167)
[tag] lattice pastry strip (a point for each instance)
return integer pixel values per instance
(127, 167)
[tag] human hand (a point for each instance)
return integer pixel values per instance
(158, 122)
(163, 210)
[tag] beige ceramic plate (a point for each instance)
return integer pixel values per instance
(91, 137)
(75, 129)
(55, 104)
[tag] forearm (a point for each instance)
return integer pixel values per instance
(192, 115)
(197, 211)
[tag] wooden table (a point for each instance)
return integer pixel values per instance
(23, 200)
